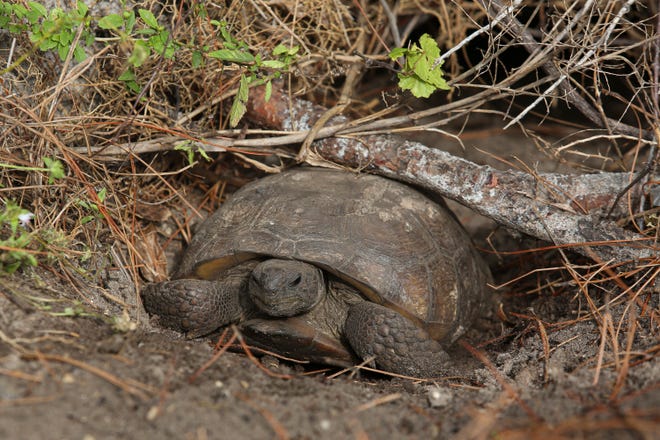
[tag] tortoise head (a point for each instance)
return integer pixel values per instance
(284, 288)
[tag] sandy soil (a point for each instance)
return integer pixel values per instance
(82, 377)
(80, 360)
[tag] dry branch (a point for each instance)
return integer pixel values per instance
(562, 209)
(503, 16)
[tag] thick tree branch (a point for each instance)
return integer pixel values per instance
(559, 208)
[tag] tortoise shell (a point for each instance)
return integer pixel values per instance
(394, 244)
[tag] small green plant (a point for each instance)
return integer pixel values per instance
(15, 238)
(188, 148)
(22, 245)
(77, 309)
(92, 207)
(258, 70)
(58, 306)
(54, 168)
(49, 30)
(19, 245)
(158, 41)
(56, 29)
(420, 74)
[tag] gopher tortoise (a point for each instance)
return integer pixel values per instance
(330, 267)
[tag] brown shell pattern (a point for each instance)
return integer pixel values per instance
(393, 243)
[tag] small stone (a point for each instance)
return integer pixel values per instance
(153, 412)
(325, 425)
(438, 397)
(68, 378)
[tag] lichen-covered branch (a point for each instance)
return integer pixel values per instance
(563, 209)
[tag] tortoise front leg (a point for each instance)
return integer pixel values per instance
(194, 307)
(396, 344)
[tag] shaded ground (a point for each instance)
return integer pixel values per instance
(84, 363)
(79, 377)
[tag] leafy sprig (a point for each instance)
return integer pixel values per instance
(15, 238)
(258, 71)
(420, 74)
(50, 30)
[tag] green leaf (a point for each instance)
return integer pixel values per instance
(63, 51)
(441, 83)
(63, 38)
(157, 44)
(55, 169)
(128, 75)
(11, 267)
(56, 14)
(268, 91)
(140, 53)
(129, 80)
(281, 50)
(422, 67)
(11, 215)
(232, 56)
(149, 18)
(231, 45)
(134, 87)
(418, 87)
(20, 11)
(167, 44)
(244, 88)
(274, 64)
(197, 59)
(112, 21)
(397, 53)
(38, 8)
(145, 31)
(48, 45)
(130, 21)
(79, 54)
(102, 194)
(238, 107)
(226, 36)
(204, 154)
(429, 47)
(82, 8)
